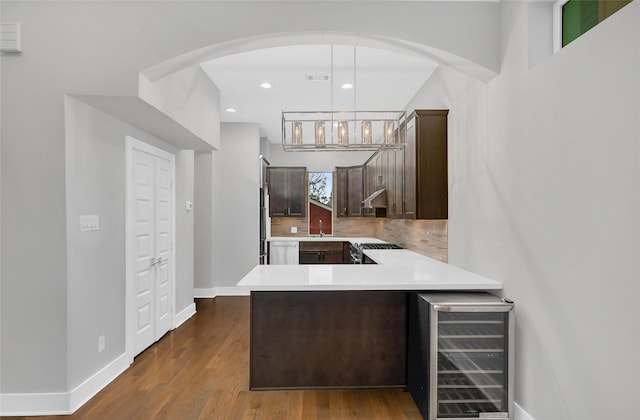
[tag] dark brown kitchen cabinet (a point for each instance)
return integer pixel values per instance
(341, 191)
(287, 191)
(385, 169)
(373, 179)
(393, 177)
(349, 191)
(356, 190)
(321, 252)
(397, 211)
(425, 166)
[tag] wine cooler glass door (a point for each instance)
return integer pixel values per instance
(471, 364)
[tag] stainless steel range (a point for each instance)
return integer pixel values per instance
(358, 257)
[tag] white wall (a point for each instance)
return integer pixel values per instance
(204, 237)
(190, 98)
(544, 196)
(185, 229)
(95, 168)
(236, 205)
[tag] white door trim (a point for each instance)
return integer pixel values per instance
(132, 144)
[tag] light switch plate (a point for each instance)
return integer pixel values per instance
(189, 205)
(294, 229)
(10, 37)
(89, 222)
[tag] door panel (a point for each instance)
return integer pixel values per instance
(152, 228)
(143, 229)
(163, 251)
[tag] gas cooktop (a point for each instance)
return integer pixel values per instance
(379, 246)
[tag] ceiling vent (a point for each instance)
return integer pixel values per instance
(10, 41)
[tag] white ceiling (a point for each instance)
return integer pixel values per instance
(384, 80)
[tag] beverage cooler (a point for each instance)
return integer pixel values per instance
(460, 359)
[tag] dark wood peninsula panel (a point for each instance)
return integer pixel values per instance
(332, 339)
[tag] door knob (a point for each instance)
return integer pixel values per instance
(158, 261)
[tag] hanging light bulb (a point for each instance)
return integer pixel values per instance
(296, 132)
(389, 132)
(343, 132)
(320, 136)
(365, 132)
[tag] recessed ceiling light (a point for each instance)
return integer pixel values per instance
(346, 86)
(266, 85)
(231, 110)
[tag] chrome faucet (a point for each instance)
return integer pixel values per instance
(320, 227)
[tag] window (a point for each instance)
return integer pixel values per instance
(573, 18)
(320, 203)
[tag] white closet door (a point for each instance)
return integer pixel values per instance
(162, 246)
(152, 229)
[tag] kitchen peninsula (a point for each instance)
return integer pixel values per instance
(343, 325)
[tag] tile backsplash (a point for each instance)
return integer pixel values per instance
(426, 237)
(281, 226)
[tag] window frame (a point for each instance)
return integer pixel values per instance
(558, 6)
(557, 24)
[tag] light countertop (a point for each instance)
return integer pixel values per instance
(324, 239)
(397, 269)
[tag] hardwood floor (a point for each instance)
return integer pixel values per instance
(201, 371)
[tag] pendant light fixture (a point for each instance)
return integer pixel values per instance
(296, 132)
(370, 130)
(320, 133)
(389, 132)
(343, 132)
(365, 132)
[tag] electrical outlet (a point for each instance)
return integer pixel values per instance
(102, 343)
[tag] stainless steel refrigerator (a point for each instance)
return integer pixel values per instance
(264, 215)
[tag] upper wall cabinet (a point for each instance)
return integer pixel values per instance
(349, 191)
(287, 191)
(426, 190)
(385, 169)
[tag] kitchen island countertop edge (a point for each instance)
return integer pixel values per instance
(395, 270)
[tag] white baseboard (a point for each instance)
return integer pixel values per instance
(232, 291)
(204, 293)
(220, 291)
(183, 315)
(60, 403)
(34, 404)
(520, 414)
(86, 390)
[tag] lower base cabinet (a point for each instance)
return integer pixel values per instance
(321, 252)
(332, 339)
